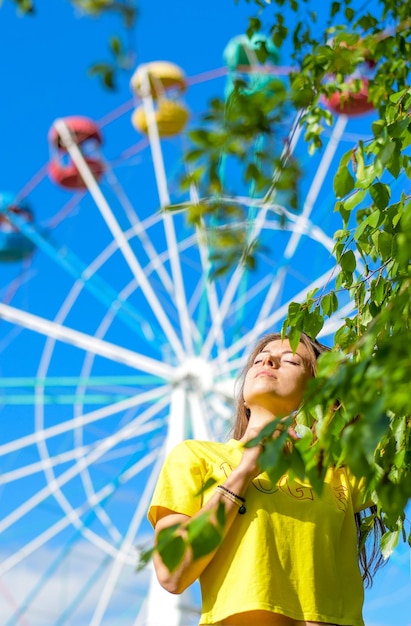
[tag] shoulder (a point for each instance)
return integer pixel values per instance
(357, 487)
(204, 454)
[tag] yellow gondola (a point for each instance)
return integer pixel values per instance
(162, 76)
(170, 116)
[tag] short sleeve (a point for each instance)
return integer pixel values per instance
(359, 497)
(179, 483)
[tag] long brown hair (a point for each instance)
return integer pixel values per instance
(369, 553)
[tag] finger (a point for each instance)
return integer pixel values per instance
(293, 433)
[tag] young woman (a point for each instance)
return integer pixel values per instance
(288, 556)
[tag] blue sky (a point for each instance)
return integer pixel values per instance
(43, 66)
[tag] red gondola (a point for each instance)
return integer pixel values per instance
(350, 103)
(88, 138)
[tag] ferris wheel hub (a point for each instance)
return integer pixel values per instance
(195, 374)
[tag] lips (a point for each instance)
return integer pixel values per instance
(266, 373)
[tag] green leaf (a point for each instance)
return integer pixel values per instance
(329, 303)
(398, 128)
(367, 525)
(381, 194)
(343, 182)
(313, 322)
(387, 153)
(349, 13)
(294, 337)
(115, 46)
(295, 313)
(348, 262)
(254, 25)
(144, 557)
(210, 482)
(220, 515)
(383, 242)
(378, 290)
(203, 536)
(353, 200)
(171, 547)
(389, 542)
(335, 7)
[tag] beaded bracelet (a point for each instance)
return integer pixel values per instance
(233, 497)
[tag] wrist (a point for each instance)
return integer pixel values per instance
(239, 479)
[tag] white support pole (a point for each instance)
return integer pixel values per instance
(163, 608)
(118, 235)
(126, 549)
(209, 287)
(198, 417)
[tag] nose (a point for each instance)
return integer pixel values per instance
(271, 360)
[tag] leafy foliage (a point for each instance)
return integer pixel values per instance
(201, 535)
(359, 400)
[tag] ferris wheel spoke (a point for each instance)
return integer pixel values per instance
(59, 496)
(287, 152)
(298, 225)
(38, 466)
(299, 228)
(162, 188)
(157, 394)
(43, 538)
(116, 389)
(139, 229)
(85, 342)
(55, 529)
(41, 582)
(55, 484)
(118, 235)
(217, 322)
(254, 232)
(85, 275)
(318, 181)
(208, 290)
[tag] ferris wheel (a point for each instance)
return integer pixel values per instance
(135, 347)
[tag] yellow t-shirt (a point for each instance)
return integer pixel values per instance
(292, 552)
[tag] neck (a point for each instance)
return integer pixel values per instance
(259, 418)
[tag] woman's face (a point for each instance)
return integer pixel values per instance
(277, 379)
